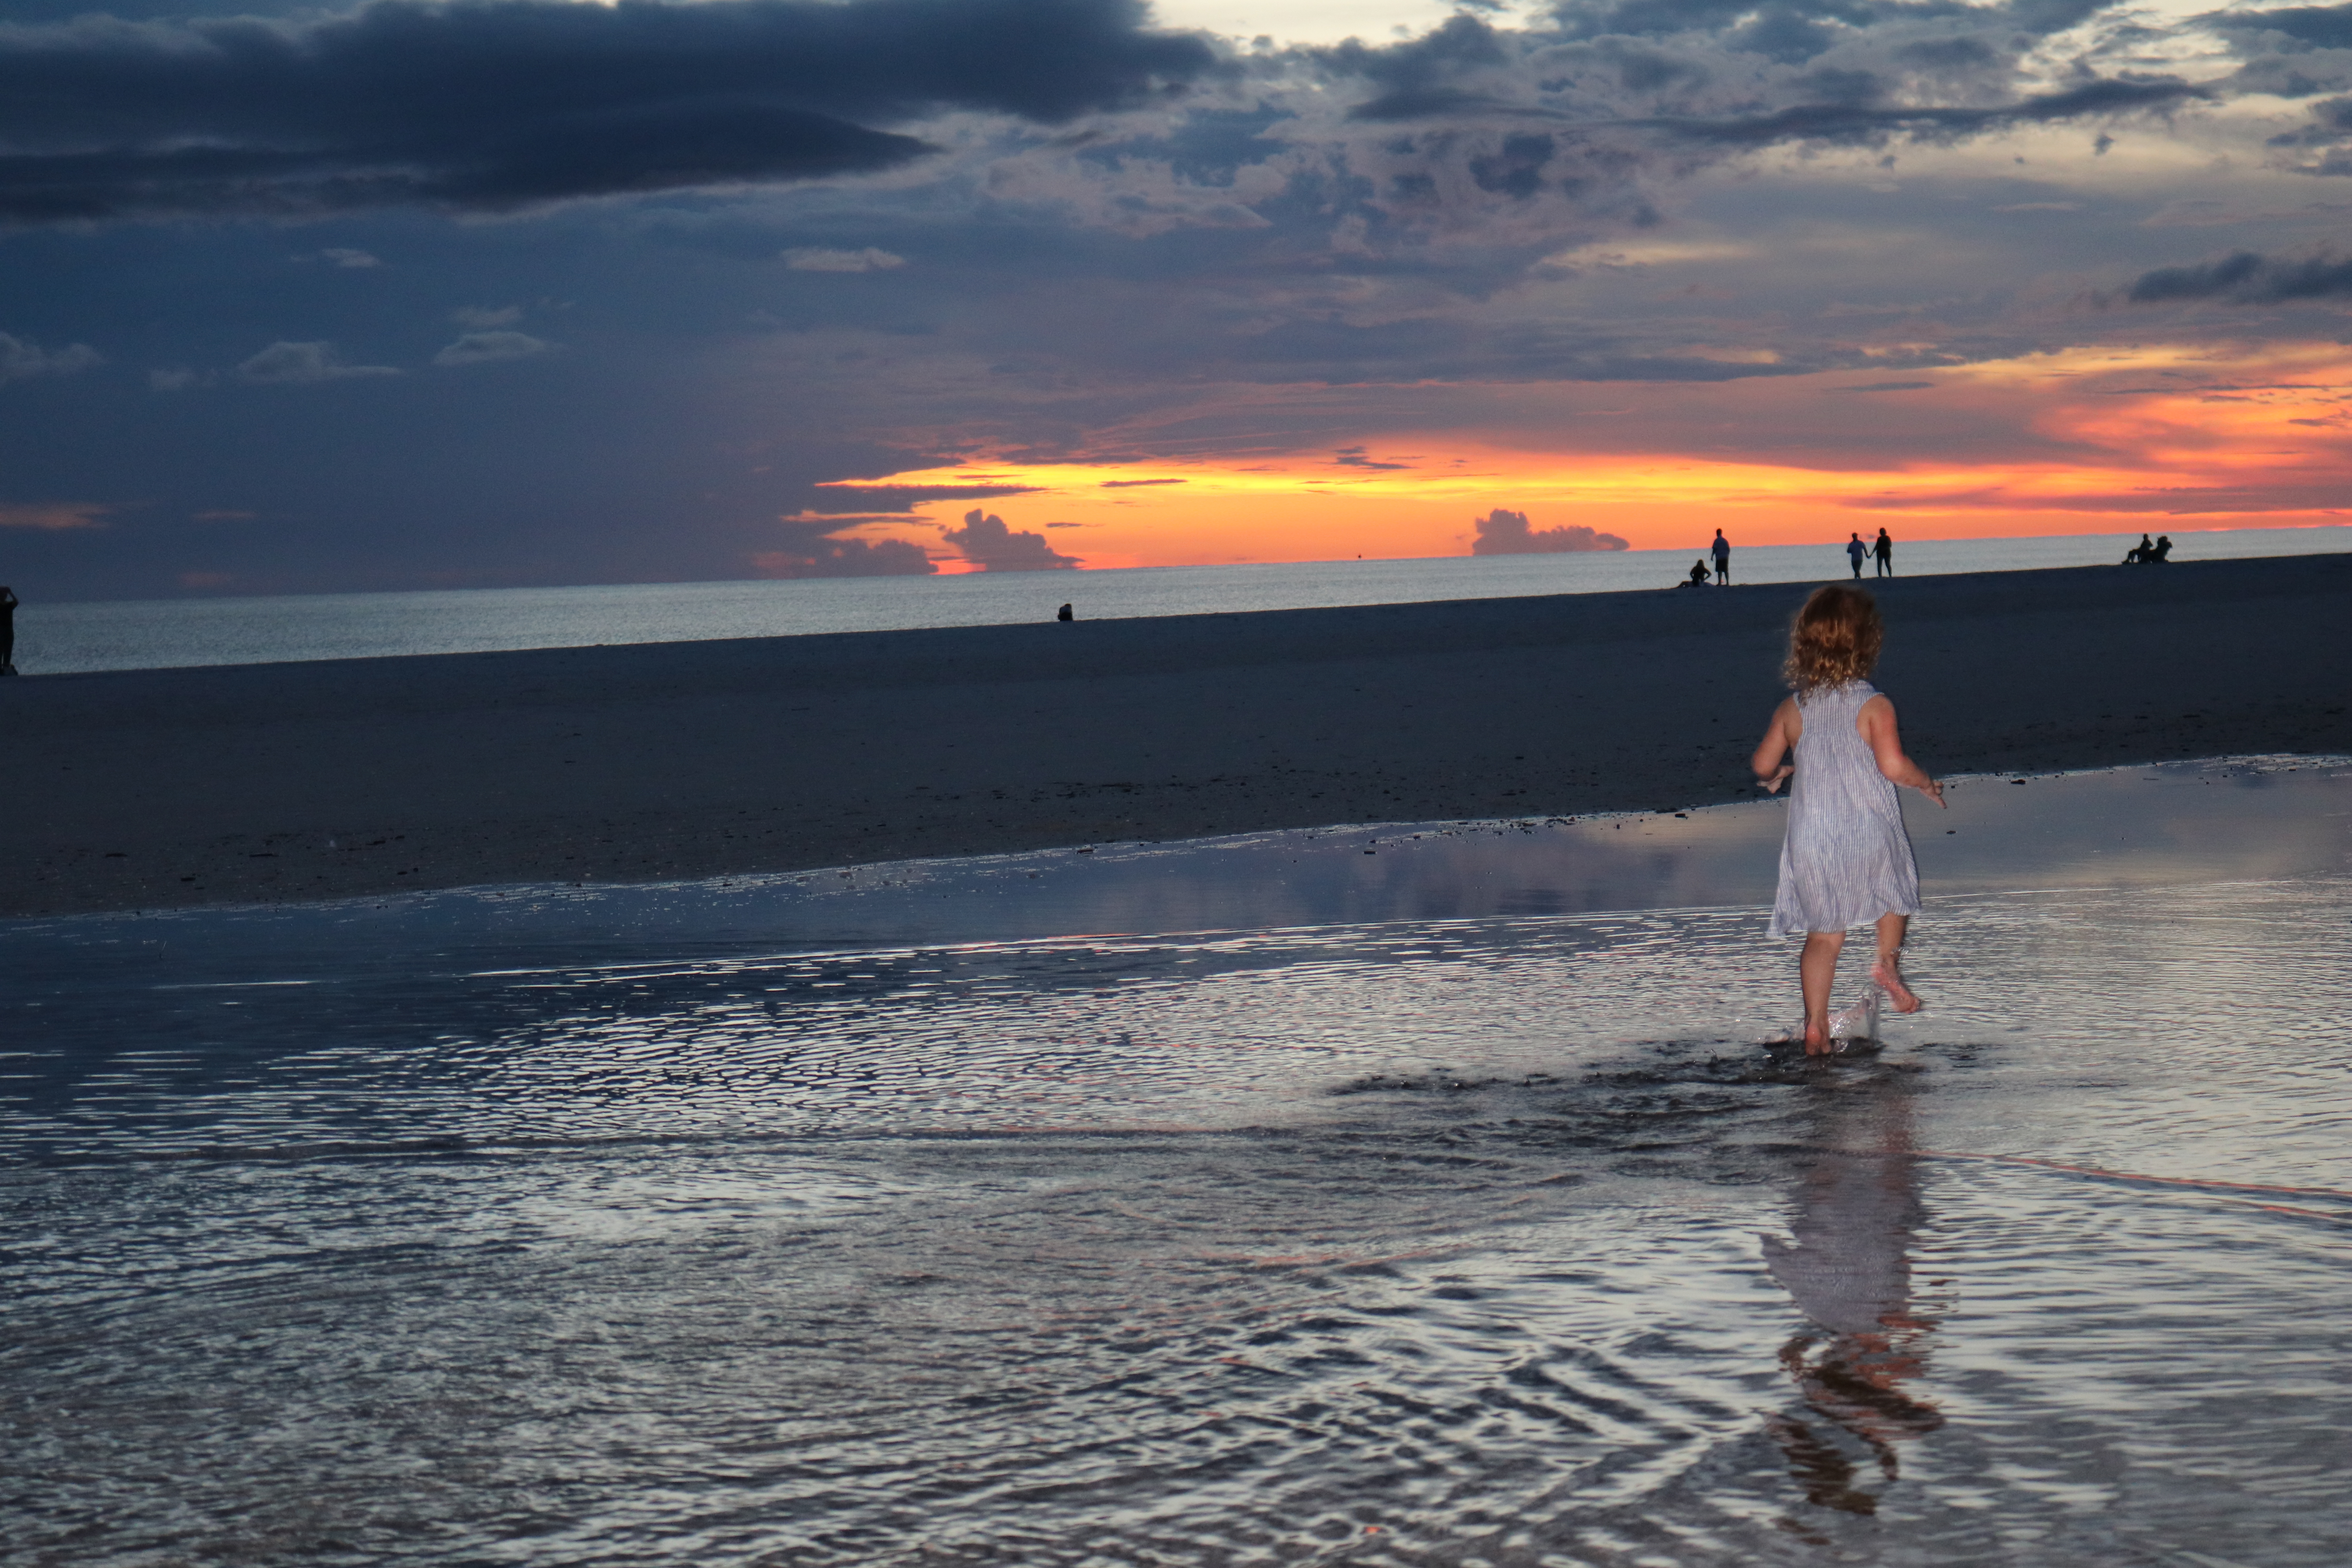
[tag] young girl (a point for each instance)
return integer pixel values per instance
(1846, 859)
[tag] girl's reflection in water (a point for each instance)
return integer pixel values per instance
(1853, 1214)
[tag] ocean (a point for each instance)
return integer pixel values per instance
(151, 634)
(1403, 1195)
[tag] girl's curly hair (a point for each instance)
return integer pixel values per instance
(1834, 639)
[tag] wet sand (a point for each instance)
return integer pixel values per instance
(153, 789)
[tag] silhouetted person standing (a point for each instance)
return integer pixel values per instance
(1885, 551)
(1855, 552)
(7, 630)
(1722, 552)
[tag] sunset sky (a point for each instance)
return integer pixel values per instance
(410, 295)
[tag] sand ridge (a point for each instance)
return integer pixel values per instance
(152, 789)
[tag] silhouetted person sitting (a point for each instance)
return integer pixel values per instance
(1063, 613)
(1697, 578)
(2138, 553)
(7, 630)
(2163, 551)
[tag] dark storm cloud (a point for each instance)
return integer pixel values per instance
(2245, 277)
(514, 102)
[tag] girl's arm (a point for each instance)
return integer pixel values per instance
(1780, 739)
(1876, 722)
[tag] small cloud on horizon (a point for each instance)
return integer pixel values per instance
(846, 558)
(20, 360)
(483, 348)
(812, 259)
(481, 318)
(1505, 533)
(54, 516)
(284, 364)
(1354, 458)
(988, 543)
(343, 256)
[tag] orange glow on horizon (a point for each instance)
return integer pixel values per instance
(2107, 440)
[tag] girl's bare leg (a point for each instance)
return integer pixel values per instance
(1816, 972)
(1888, 971)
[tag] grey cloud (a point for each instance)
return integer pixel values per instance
(1947, 54)
(2245, 277)
(2323, 27)
(846, 558)
(289, 364)
(1791, 18)
(1862, 122)
(811, 259)
(20, 361)
(1505, 533)
(1354, 458)
(500, 105)
(989, 543)
(887, 500)
(481, 348)
(1430, 103)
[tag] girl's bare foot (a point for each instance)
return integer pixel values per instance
(1817, 1039)
(1887, 972)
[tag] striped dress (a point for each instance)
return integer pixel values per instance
(1846, 859)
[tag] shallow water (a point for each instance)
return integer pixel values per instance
(1440, 1214)
(143, 634)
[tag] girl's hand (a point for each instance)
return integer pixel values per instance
(1772, 785)
(1934, 789)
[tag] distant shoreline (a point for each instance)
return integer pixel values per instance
(70, 638)
(164, 788)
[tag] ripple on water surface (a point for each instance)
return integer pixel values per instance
(1402, 1241)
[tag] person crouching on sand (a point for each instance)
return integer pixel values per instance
(1846, 860)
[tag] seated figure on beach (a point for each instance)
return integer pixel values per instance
(1846, 859)
(2163, 551)
(2138, 553)
(1698, 575)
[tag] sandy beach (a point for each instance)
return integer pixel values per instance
(161, 788)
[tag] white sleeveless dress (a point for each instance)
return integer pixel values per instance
(1847, 857)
